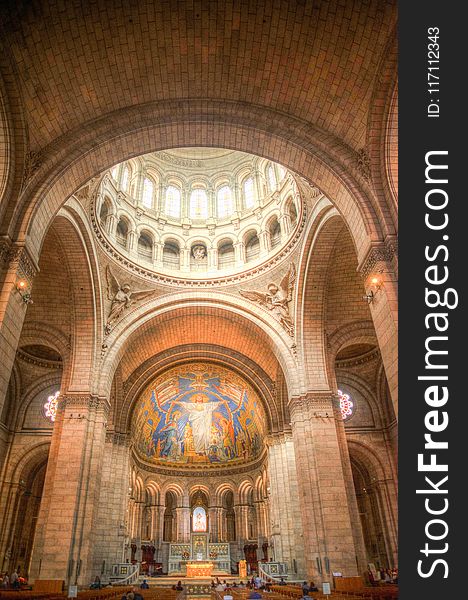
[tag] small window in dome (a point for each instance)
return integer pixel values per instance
(249, 197)
(148, 189)
(115, 172)
(198, 204)
(125, 178)
(271, 178)
(173, 202)
(225, 208)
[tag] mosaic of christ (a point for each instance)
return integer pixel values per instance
(199, 414)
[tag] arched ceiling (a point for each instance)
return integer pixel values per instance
(76, 62)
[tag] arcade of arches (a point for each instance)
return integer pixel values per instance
(198, 326)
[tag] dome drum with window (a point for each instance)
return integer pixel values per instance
(168, 211)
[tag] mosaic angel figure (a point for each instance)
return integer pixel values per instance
(122, 297)
(277, 299)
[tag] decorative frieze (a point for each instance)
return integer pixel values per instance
(380, 256)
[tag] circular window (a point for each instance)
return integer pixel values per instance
(346, 405)
(50, 407)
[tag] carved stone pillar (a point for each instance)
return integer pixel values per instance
(66, 532)
(132, 241)
(239, 253)
(185, 259)
(332, 539)
(382, 261)
(111, 225)
(183, 523)
(16, 264)
(213, 523)
(222, 524)
(285, 225)
(287, 528)
(265, 242)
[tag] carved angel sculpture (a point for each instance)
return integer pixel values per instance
(122, 298)
(277, 299)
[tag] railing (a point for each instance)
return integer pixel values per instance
(273, 571)
(117, 577)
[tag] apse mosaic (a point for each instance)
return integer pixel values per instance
(199, 413)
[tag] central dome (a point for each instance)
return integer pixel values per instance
(199, 415)
(197, 213)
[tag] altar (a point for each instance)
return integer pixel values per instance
(199, 558)
(199, 569)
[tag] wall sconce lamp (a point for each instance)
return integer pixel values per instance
(23, 289)
(375, 283)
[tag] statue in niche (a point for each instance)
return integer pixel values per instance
(277, 299)
(122, 297)
(199, 252)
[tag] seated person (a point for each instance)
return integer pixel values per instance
(282, 581)
(313, 587)
(144, 585)
(255, 595)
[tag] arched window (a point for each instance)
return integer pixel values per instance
(249, 197)
(225, 254)
(115, 172)
(252, 247)
(171, 255)
(145, 246)
(271, 178)
(281, 172)
(148, 188)
(225, 208)
(125, 178)
(198, 204)
(199, 519)
(122, 232)
(173, 202)
(275, 233)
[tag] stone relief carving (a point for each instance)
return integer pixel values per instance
(122, 297)
(277, 299)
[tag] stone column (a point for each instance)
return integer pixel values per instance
(213, 523)
(212, 259)
(239, 253)
(112, 518)
(15, 264)
(332, 539)
(287, 529)
(381, 261)
(158, 529)
(183, 523)
(265, 242)
(222, 525)
(285, 225)
(139, 514)
(111, 225)
(185, 259)
(67, 522)
(132, 242)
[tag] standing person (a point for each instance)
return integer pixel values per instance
(14, 580)
(305, 588)
(5, 581)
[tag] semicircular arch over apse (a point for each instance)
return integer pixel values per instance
(199, 415)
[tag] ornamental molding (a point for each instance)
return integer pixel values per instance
(118, 439)
(17, 257)
(38, 362)
(171, 280)
(363, 164)
(199, 471)
(315, 402)
(358, 360)
(86, 402)
(380, 255)
(33, 163)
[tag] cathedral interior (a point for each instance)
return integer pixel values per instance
(198, 310)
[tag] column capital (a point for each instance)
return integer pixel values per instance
(319, 404)
(381, 256)
(17, 257)
(83, 401)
